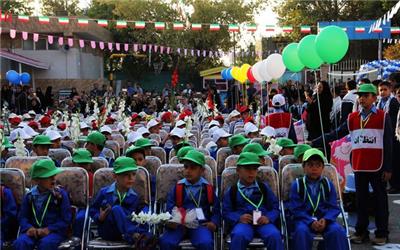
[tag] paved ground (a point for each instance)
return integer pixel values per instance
(394, 227)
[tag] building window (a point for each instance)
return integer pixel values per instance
(53, 46)
(27, 45)
(41, 44)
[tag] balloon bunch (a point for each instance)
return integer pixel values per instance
(329, 46)
(384, 68)
(14, 78)
(263, 71)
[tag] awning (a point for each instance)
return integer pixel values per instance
(24, 60)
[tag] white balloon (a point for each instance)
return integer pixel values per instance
(254, 70)
(262, 70)
(275, 66)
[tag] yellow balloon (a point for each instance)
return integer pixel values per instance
(235, 72)
(243, 72)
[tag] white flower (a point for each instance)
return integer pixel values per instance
(19, 147)
(150, 218)
(273, 147)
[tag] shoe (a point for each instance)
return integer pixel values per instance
(359, 238)
(380, 241)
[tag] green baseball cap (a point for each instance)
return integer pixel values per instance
(44, 168)
(6, 143)
(237, 140)
(366, 88)
(124, 164)
(195, 156)
(248, 158)
(311, 152)
(82, 155)
(183, 151)
(96, 138)
(41, 140)
(255, 148)
(300, 149)
(143, 142)
(286, 143)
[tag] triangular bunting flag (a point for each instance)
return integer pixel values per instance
(35, 37)
(24, 35)
(81, 43)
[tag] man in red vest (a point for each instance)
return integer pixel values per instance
(371, 157)
(280, 120)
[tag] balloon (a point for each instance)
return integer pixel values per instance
(250, 75)
(291, 59)
(275, 66)
(332, 44)
(262, 70)
(229, 74)
(254, 70)
(25, 78)
(243, 72)
(12, 76)
(223, 74)
(235, 72)
(307, 52)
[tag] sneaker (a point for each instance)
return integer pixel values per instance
(380, 241)
(359, 238)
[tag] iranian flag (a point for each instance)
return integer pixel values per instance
(270, 28)
(23, 18)
(287, 29)
(178, 26)
(377, 30)
(305, 29)
(251, 27)
(360, 29)
(159, 25)
(395, 30)
(196, 26)
(83, 21)
(214, 27)
(102, 22)
(63, 20)
(233, 27)
(121, 24)
(44, 19)
(140, 25)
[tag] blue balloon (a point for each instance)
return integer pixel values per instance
(223, 74)
(12, 76)
(25, 78)
(229, 74)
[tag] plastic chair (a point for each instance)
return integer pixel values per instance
(285, 160)
(159, 153)
(24, 163)
(114, 146)
(98, 162)
(120, 140)
(222, 154)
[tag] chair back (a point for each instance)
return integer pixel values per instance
(222, 154)
(155, 137)
(114, 146)
(13, 152)
(285, 160)
(24, 163)
(205, 141)
(59, 154)
(119, 139)
(98, 162)
(159, 152)
(75, 181)
(14, 179)
(109, 153)
(152, 164)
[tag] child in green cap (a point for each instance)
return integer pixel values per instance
(4, 151)
(95, 143)
(41, 145)
(250, 207)
(287, 146)
(299, 151)
(258, 150)
(114, 204)
(313, 206)
(45, 213)
(193, 192)
(183, 151)
(237, 143)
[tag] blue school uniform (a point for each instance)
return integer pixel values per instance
(117, 225)
(242, 234)
(304, 210)
(8, 215)
(201, 237)
(49, 209)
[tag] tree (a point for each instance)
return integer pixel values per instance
(60, 7)
(392, 52)
(16, 7)
(192, 11)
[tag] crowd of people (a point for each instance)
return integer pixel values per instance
(258, 128)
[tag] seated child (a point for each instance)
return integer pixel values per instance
(41, 147)
(182, 152)
(237, 143)
(83, 158)
(113, 204)
(287, 146)
(193, 192)
(45, 214)
(258, 150)
(8, 215)
(313, 206)
(250, 207)
(299, 151)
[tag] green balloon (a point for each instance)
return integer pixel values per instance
(307, 52)
(332, 44)
(291, 59)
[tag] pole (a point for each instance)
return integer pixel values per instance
(320, 115)
(379, 49)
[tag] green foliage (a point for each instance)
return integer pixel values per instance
(16, 7)
(60, 7)
(192, 11)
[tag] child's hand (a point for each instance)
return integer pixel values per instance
(322, 224)
(42, 232)
(104, 213)
(246, 219)
(263, 220)
(210, 225)
(32, 232)
(315, 226)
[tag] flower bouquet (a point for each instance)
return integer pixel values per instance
(150, 218)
